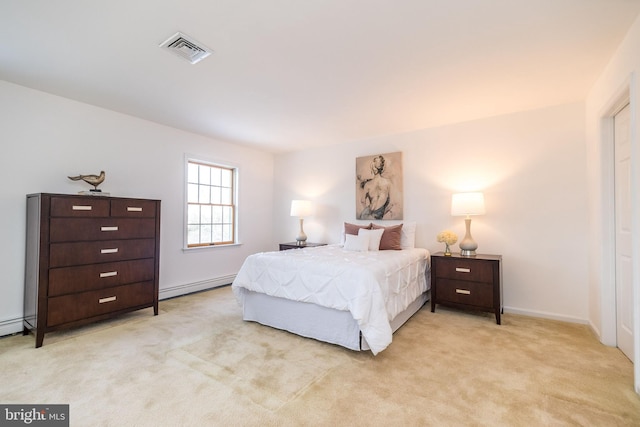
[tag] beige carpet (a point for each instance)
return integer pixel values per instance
(199, 364)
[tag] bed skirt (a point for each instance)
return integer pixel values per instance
(314, 321)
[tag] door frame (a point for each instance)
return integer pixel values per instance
(608, 321)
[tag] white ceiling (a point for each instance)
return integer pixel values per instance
(292, 74)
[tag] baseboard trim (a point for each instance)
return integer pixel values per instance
(10, 326)
(545, 315)
(595, 331)
(189, 288)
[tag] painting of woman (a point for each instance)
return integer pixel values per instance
(379, 186)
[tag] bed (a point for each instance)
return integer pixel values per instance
(353, 296)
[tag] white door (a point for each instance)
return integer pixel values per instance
(624, 285)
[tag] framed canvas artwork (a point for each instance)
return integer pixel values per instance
(379, 187)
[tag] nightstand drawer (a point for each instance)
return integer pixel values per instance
(465, 269)
(461, 292)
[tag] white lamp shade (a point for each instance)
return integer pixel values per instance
(467, 204)
(301, 208)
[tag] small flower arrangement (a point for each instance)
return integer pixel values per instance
(447, 237)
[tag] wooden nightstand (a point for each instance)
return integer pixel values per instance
(295, 245)
(473, 283)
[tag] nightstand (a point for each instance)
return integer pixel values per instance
(472, 283)
(295, 245)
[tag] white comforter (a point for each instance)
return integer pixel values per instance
(373, 286)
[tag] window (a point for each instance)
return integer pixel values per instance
(211, 210)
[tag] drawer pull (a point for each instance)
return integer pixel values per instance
(109, 228)
(109, 274)
(463, 291)
(133, 209)
(81, 208)
(463, 270)
(107, 299)
(109, 251)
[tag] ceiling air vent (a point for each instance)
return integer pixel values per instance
(186, 47)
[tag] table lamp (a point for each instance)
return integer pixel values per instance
(301, 209)
(467, 204)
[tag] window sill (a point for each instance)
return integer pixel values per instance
(206, 248)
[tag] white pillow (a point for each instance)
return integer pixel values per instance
(356, 223)
(355, 243)
(408, 236)
(374, 237)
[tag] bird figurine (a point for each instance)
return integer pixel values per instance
(94, 180)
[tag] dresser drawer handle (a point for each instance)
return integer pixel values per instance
(133, 209)
(109, 251)
(463, 291)
(109, 274)
(107, 299)
(109, 228)
(463, 270)
(81, 208)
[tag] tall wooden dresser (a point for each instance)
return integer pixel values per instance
(88, 258)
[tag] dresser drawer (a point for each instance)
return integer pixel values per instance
(80, 253)
(463, 292)
(99, 276)
(77, 229)
(464, 269)
(133, 208)
(79, 207)
(70, 308)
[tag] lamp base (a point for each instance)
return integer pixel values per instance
(468, 246)
(467, 252)
(302, 237)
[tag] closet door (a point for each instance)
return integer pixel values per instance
(624, 271)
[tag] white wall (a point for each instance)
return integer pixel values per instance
(619, 79)
(531, 167)
(45, 138)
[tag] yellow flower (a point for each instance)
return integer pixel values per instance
(448, 237)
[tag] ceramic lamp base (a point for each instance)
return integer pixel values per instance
(468, 246)
(302, 237)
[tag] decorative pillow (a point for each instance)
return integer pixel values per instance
(374, 238)
(356, 243)
(354, 228)
(391, 237)
(408, 237)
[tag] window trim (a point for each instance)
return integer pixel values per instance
(203, 160)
